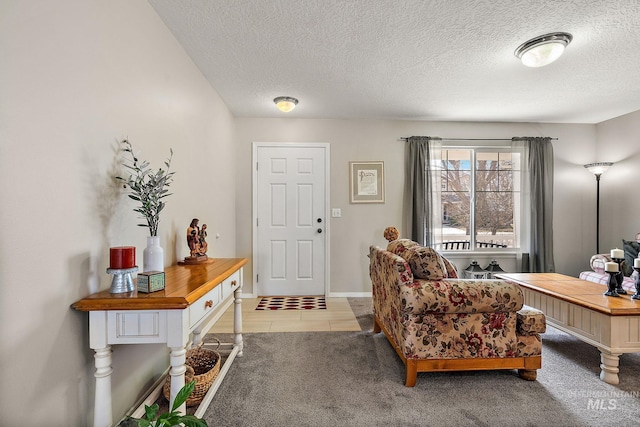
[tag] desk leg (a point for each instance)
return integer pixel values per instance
(178, 368)
(609, 366)
(102, 406)
(237, 321)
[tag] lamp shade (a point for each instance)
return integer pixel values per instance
(598, 168)
(543, 50)
(285, 103)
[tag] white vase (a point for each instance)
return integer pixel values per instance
(153, 255)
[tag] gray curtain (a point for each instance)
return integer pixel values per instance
(537, 202)
(417, 190)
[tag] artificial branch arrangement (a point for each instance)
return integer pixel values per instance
(147, 187)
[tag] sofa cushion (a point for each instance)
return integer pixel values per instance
(399, 246)
(425, 263)
(631, 250)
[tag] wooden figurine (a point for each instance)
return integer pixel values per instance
(197, 242)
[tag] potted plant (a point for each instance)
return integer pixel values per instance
(149, 188)
(168, 419)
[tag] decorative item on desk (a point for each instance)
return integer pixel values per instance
(150, 281)
(122, 280)
(197, 243)
(493, 268)
(122, 257)
(153, 255)
(122, 263)
(474, 271)
(148, 188)
(613, 269)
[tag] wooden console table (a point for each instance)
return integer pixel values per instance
(194, 298)
(579, 308)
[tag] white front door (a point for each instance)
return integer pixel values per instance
(290, 190)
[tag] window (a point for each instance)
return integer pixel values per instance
(480, 189)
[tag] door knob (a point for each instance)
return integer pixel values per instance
(319, 219)
(319, 230)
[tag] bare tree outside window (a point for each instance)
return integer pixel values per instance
(478, 198)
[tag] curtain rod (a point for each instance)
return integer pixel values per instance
(405, 139)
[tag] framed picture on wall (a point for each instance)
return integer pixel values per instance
(366, 181)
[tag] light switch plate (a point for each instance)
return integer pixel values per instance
(336, 213)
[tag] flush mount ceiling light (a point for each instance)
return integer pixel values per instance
(543, 50)
(285, 103)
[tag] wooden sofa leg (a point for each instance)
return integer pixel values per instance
(376, 326)
(412, 373)
(528, 374)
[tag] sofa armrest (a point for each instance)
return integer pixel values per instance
(461, 296)
(531, 321)
(597, 262)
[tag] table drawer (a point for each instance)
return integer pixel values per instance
(230, 284)
(204, 306)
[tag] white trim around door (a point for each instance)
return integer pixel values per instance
(258, 289)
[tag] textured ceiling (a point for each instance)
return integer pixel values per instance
(445, 60)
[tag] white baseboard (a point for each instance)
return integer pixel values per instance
(349, 294)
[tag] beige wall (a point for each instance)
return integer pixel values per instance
(76, 76)
(362, 225)
(619, 142)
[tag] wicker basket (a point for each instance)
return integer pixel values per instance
(203, 366)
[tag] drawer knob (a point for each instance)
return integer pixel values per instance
(208, 304)
(233, 283)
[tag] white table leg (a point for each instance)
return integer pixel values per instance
(102, 416)
(178, 368)
(237, 321)
(609, 366)
(197, 337)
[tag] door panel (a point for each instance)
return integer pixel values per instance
(291, 208)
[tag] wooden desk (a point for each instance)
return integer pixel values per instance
(579, 308)
(194, 298)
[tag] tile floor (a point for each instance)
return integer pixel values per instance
(338, 316)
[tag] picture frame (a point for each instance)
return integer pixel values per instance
(366, 182)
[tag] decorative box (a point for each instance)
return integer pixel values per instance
(150, 281)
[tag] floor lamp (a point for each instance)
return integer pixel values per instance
(598, 169)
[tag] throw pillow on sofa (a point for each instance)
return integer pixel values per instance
(399, 246)
(425, 263)
(631, 250)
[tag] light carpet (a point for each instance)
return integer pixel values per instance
(356, 379)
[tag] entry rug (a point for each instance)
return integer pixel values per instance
(292, 303)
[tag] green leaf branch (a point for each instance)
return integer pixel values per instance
(173, 418)
(146, 186)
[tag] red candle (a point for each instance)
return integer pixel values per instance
(122, 257)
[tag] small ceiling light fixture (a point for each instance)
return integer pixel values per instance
(285, 103)
(543, 50)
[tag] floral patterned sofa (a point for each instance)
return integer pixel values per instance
(437, 322)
